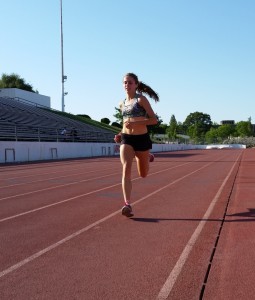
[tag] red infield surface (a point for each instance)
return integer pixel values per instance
(62, 235)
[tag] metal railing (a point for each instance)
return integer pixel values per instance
(10, 132)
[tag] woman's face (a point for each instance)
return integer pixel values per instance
(129, 84)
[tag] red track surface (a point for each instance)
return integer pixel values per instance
(192, 237)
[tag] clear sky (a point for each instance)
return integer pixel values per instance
(199, 55)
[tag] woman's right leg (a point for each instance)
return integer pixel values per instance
(126, 157)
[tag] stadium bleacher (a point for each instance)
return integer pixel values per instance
(20, 121)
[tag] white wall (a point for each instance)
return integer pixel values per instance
(32, 151)
(29, 96)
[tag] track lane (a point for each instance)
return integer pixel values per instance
(154, 235)
(66, 192)
(232, 270)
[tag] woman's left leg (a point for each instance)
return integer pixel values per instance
(126, 157)
(142, 161)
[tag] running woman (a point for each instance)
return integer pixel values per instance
(134, 137)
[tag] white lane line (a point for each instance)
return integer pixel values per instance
(27, 167)
(53, 246)
(58, 186)
(68, 238)
(56, 203)
(76, 197)
(67, 184)
(45, 179)
(168, 285)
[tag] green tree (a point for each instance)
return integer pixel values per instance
(225, 131)
(197, 124)
(15, 81)
(115, 124)
(118, 116)
(153, 129)
(172, 129)
(105, 121)
(162, 128)
(211, 136)
(85, 116)
(180, 129)
(244, 128)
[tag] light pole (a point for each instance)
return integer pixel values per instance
(63, 77)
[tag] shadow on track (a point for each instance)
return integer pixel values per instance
(157, 220)
(174, 154)
(247, 216)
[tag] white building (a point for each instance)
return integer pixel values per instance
(25, 96)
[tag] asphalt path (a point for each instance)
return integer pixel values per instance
(62, 235)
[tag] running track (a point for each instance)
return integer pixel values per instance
(192, 237)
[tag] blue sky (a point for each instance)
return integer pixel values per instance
(199, 55)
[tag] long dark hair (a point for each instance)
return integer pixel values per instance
(144, 88)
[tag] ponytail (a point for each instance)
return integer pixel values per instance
(144, 88)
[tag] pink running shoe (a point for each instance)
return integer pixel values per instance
(151, 157)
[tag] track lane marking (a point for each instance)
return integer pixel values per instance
(76, 197)
(75, 234)
(57, 186)
(86, 194)
(47, 179)
(173, 276)
(63, 185)
(27, 166)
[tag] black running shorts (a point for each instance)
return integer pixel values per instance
(141, 142)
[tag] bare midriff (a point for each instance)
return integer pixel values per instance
(136, 127)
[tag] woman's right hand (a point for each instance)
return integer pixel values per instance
(117, 138)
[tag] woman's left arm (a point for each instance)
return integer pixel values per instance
(151, 118)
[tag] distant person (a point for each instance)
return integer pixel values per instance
(134, 137)
(63, 132)
(73, 132)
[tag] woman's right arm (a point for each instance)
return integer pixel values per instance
(117, 137)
